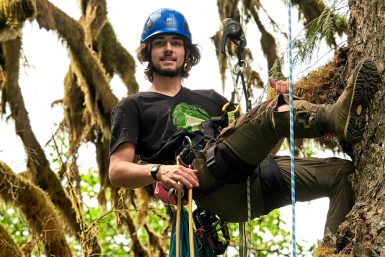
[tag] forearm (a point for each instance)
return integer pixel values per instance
(130, 175)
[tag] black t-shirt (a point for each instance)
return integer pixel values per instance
(149, 119)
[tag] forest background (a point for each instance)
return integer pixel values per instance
(63, 144)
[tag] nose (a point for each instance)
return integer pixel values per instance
(168, 46)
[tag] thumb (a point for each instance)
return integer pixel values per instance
(272, 81)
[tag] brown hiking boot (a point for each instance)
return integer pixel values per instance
(346, 118)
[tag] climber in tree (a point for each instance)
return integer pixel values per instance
(152, 125)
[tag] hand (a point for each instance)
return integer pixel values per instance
(178, 176)
(281, 86)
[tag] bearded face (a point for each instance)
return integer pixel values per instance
(167, 55)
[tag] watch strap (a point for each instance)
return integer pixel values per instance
(154, 171)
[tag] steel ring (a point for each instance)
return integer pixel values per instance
(240, 67)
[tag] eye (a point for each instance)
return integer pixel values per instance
(177, 42)
(158, 42)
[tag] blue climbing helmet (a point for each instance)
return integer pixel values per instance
(165, 21)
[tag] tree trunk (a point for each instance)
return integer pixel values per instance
(363, 234)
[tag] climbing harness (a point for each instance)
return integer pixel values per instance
(210, 237)
(212, 230)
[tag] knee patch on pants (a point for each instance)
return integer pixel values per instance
(275, 192)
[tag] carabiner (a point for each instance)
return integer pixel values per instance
(230, 114)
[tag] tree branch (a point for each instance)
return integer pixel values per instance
(37, 208)
(36, 159)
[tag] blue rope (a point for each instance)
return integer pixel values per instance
(294, 252)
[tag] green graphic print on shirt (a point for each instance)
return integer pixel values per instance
(189, 117)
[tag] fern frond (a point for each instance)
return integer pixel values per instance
(325, 27)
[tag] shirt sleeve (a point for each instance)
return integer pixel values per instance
(124, 124)
(221, 99)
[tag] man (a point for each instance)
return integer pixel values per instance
(152, 125)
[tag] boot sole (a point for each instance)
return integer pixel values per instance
(366, 84)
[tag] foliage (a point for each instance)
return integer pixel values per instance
(114, 241)
(322, 29)
(276, 70)
(269, 237)
(14, 224)
(325, 27)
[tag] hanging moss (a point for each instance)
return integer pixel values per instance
(323, 85)
(115, 58)
(268, 42)
(102, 158)
(14, 13)
(324, 250)
(143, 204)
(8, 247)
(74, 110)
(2, 82)
(38, 210)
(155, 242)
(12, 16)
(123, 217)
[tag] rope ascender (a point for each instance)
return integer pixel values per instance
(232, 31)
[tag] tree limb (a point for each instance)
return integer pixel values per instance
(38, 210)
(36, 159)
(8, 247)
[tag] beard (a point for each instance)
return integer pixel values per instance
(168, 72)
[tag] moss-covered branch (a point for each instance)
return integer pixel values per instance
(83, 56)
(12, 16)
(36, 159)
(8, 247)
(39, 212)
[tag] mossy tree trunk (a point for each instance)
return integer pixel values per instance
(363, 234)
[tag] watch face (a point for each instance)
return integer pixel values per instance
(154, 170)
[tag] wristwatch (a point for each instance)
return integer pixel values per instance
(154, 170)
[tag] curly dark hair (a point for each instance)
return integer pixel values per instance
(192, 57)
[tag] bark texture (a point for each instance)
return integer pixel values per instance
(39, 212)
(363, 234)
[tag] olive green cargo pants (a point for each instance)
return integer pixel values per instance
(314, 178)
(251, 137)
